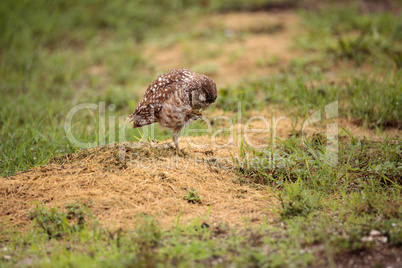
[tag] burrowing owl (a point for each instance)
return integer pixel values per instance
(175, 99)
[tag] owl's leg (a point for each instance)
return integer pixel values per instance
(176, 139)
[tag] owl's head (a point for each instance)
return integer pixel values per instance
(205, 94)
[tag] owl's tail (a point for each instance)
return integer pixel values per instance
(130, 118)
(138, 121)
(135, 119)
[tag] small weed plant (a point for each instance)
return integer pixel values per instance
(192, 197)
(57, 224)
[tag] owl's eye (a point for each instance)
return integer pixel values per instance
(202, 97)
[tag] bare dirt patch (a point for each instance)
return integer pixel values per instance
(148, 180)
(380, 256)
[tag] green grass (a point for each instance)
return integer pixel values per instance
(55, 55)
(358, 162)
(348, 33)
(365, 100)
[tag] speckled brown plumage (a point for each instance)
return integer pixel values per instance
(175, 99)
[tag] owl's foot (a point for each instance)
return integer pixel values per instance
(170, 146)
(179, 152)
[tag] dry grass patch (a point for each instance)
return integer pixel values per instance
(120, 183)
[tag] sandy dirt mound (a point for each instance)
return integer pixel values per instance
(120, 183)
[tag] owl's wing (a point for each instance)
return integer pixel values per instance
(160, 90)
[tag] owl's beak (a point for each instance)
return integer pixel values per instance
(197, 113)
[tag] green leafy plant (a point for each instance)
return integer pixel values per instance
(192, 197)
(56, 224)
(297, 201)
